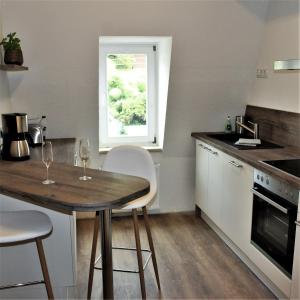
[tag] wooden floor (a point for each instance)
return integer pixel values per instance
(193, 262)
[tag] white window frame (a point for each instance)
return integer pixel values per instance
(115, 48)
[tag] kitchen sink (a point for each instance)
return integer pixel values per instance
(231, 138)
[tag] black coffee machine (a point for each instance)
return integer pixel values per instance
(14, 128)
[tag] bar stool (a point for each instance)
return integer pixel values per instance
(22, 227)
(135, 161)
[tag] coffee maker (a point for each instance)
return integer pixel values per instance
(15, 145)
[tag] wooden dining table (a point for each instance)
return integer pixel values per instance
(105, 191)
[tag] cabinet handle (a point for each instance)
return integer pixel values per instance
(211, 151)
(297, 223)
(271, 202)
(235, 164)
(208, 149)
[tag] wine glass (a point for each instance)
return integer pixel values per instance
(47, 159)
(84, 153)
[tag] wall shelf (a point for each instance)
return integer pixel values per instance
(13, 68)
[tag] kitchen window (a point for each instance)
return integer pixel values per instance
(128, 94)
(131, 108)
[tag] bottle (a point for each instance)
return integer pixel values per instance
(228, 126)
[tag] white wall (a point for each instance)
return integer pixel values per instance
(5, 105)
(215, 50)
(281, 41)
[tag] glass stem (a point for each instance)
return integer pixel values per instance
(84, 168)
(47, 173)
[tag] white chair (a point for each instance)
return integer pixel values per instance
(136, 161)
(21, 227)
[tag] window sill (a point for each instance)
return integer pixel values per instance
(149, 148)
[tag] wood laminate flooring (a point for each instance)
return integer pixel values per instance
(193, 262)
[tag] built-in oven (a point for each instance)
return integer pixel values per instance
(273, 220)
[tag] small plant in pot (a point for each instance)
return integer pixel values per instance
(12, 50)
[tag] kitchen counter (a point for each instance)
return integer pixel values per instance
(255, 157)
(23, 180)
(21, 188)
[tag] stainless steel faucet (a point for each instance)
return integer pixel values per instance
(254, 131)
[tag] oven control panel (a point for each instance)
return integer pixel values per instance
(276, 186)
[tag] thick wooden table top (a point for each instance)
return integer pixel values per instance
(23, 180)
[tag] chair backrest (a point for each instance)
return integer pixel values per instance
(132, 160)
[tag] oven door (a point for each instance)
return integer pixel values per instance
(273, 227)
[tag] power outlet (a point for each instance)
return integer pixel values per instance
(261, 73)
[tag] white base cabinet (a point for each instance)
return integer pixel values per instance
(223, 193)
(201, 176)
(208, 181)
(237, 201)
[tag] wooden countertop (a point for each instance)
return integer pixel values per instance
(255, 157)
(23, 180)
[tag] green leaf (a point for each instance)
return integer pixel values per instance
(11, 42)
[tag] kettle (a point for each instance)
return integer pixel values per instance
(36, 131)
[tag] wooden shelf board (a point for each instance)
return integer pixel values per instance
(13, 68)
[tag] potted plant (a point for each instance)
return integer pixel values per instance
(12, 50)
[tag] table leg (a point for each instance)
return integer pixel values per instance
(106, 247)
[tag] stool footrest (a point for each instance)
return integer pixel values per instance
(11, 286)
(126, 270)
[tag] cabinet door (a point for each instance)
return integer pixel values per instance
(237, 201)
(215, 185)
(201, 176)
(295, 293)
